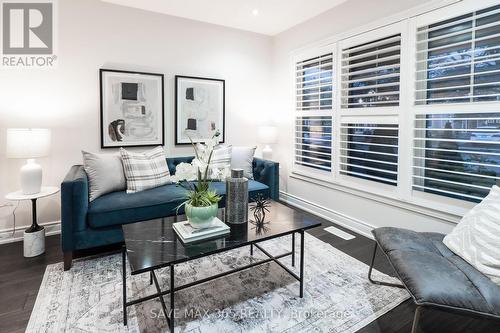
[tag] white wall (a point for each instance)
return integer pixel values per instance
(93, 35)
(351, 208)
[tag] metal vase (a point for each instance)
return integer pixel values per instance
(236, 198)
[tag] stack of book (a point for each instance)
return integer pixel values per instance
(188, 234)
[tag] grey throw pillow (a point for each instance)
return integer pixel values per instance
(105, 173)
(242, 158)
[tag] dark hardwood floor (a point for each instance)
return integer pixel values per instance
(20, 279)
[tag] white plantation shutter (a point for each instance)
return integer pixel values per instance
(369, 151)
(314, 83)
(313, 147)
(314, 105)
(369, 114)
(458, 60)
(457, 155)
(456, 151)
(371, 72)
(417, 115)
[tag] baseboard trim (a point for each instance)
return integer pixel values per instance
(336, 217)
(10, 236)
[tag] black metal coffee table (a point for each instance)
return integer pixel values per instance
(153, 244)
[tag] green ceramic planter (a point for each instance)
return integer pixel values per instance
(201, 217)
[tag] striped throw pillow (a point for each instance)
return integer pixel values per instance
(220, 164)
(145, 170)
(477, 237)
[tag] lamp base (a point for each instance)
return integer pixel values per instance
(34, 243)
(31, 177)
(267, 153)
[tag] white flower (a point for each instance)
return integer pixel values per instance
(185, 171)
(203, 152)
(210, 145)
(199, 165)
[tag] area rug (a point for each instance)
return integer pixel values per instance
(338, 296)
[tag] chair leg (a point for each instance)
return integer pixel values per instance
(416, 319)
(370, 272)
(68, 258)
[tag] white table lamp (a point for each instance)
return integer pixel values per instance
(29, 143)
(267, 135)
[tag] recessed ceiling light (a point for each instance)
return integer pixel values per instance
(255, 12)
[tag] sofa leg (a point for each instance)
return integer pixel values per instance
(68, 258)
(370, 272)
(416, 319)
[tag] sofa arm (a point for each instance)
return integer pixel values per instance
(74, 205)
(267, 172)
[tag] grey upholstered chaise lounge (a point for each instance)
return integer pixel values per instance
(434, 276)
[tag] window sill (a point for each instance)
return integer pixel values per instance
(452, 218)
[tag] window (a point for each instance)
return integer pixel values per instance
(370, 73)
(417, 114)
(458, 60)
(457, 152)
(314, 104)
(370, 151)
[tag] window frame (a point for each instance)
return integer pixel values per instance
(308, 54)
(375, 115)
(440, 202)
(405, 113)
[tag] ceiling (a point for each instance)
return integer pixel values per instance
(268, 17)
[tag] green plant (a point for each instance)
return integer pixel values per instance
(199, 193)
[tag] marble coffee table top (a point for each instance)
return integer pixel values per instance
(154, 244)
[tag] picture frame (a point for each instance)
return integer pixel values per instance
(199, 108)
(132, 108)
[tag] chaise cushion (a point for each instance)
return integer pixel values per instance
(120, 208)
(434, 275)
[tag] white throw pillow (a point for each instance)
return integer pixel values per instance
(220, 163)
(145, 170)
(242, 158)
(477, 237)
(105, 173)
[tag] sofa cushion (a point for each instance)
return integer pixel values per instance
(434, 275)
(120, 208)
(254, 187)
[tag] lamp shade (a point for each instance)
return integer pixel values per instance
(27, 142)
(267, 134)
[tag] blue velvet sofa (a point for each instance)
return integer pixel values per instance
(87, 224)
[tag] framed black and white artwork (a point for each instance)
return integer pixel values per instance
(199, 109)
(132, 109)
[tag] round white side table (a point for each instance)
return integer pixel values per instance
(34, 236)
